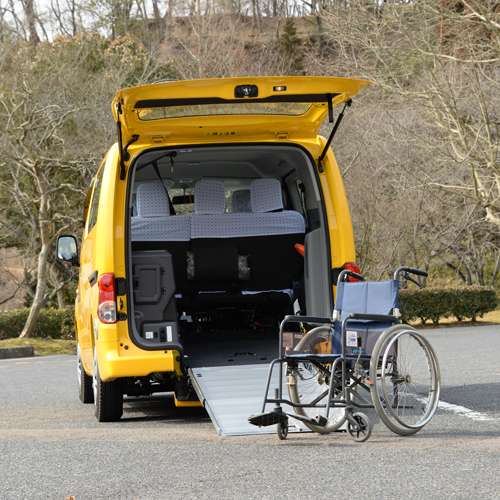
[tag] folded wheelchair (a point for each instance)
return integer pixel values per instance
(362, 353)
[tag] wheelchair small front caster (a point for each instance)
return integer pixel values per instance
(282, 429)
(363, 428)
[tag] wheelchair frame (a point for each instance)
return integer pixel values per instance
(401, 374)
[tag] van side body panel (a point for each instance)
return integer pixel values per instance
(339, 219)
(103, 250)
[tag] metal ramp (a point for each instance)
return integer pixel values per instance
(231, 394)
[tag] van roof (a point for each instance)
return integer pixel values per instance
(230, 108)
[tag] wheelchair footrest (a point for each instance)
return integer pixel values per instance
(270, 418)
(319, 421)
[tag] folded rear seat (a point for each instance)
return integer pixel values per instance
(154, 228)
(250, 256)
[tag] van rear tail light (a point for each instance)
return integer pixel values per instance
(351, 266)
(107, 298)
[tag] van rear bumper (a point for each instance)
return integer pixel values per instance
(112, 365)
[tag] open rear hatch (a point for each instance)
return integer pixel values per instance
(232, 108)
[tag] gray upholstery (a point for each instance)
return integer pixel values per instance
(152, 200)
(265, 195)
(239, 225)
(209, 197)
(260, 222)
(154, 222)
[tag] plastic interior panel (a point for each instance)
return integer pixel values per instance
(155, 311)
(316, 280)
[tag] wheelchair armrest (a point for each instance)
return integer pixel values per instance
(373, 317)
(308, 319)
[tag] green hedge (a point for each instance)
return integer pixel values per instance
(466, 302)
(53, 323)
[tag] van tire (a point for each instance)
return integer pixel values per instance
(85, 392)
(108, 398)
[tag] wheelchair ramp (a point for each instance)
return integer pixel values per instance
(231, 394)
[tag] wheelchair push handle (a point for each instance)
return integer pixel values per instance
(406, 271)
(346, 274)
(410, 270)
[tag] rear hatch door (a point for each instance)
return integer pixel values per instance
(230, 109)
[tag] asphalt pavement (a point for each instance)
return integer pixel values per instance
(51, 446)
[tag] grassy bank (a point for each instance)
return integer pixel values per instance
(43, 347)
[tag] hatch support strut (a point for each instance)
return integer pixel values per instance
(123, 155)
(334, 130)
(120, 152)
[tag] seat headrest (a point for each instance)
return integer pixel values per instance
(209, 197)
(152, 200)
(240, 201)
(266, 195)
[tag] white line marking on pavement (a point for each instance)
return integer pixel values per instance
(464, 412)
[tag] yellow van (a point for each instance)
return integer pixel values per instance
(218, 211)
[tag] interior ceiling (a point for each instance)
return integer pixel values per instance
(221, 162)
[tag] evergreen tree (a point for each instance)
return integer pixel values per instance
(290, 49)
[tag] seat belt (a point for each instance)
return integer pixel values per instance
(170, 205)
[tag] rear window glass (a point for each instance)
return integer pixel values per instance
(95, 199)
(240, 108)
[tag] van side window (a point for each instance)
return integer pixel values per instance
(95, 199)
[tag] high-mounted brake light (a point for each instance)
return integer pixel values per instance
(107, 298)
(351, 266)
(246, 91)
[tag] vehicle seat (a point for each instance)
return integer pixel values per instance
(153, 221)
(155, 229)
(214, 256)
(263, 241)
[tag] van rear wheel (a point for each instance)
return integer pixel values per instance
(85, 383)
(108, 397)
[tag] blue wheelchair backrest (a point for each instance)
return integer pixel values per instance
(365, 297)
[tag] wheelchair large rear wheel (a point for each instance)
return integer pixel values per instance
(406, 379)
(309, 382)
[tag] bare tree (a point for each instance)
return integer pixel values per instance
(206, 45)
(31, 18)
(435, 70)
(68, 16)
(54, 129)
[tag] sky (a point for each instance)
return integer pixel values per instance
(44, 10)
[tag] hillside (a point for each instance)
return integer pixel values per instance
(418, 150)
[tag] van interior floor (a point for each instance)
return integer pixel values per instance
(230, 348)
(229, 371)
